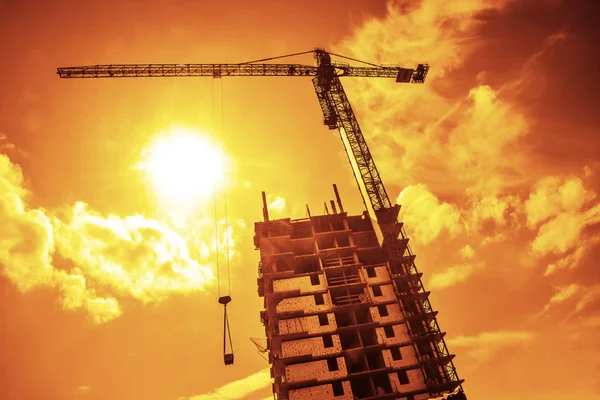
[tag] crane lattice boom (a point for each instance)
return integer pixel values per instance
(219, 70)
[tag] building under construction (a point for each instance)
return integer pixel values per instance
(346, 318)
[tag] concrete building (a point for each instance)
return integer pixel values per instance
(346, 318)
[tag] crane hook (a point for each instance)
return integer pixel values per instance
(227, 357)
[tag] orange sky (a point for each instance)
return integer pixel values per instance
(495, 160)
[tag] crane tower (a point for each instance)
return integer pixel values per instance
(346, 314)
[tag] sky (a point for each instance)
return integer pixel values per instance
(109, 286)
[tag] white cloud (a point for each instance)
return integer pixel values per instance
(484, 346)
(552, 196)
(580, 297)
(562, 295)
(467, 252)
(450, 277)
(562, 232)
(276, 205)
(426, 216)
(469, 139)
(240, 388)
(573, 259)
(5, 144)
(102, 257)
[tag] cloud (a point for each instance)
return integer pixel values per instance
(276, 206)
(5, 144)
(486, 127)
(461, 147)
(136, 255)
(451, 276)
(440, 29)
(426, 215)
(468, 141)
(420, 134)
(27, 240)
(580, 296)
(239, 389)
(493, 239)
(276, 203)
(456, 274)
(561, 208)
(467, 252)
(484, 346)
(551, 196)
(562, 295)
(572, 260)
(92, 259)
(563, 231)
(485, 212)
(589, 295)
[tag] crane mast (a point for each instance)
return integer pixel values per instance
(427, 338)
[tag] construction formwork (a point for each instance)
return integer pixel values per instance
(346, 317)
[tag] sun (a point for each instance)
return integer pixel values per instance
(183, 165)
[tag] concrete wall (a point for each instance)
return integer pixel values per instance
(408, 357)
(382, 275)
(303, 303)
(301, 283)
(394, 313)
(415, 381)
(315, 370)
(313, 346)
(400, 335)
(321, 392)
(387, 294)
(308, 324)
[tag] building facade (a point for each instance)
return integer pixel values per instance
(346, 318)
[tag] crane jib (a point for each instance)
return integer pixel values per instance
(404, 75)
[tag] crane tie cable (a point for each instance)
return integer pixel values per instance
(307, 52)
(354, 59)
(275, 58)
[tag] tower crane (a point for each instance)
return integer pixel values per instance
(428, 340)
(337, 111)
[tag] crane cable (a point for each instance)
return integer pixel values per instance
(275, 58)
(354, 59)
(225, 190)
(214, 140)
(224, 300)
(307, 52)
